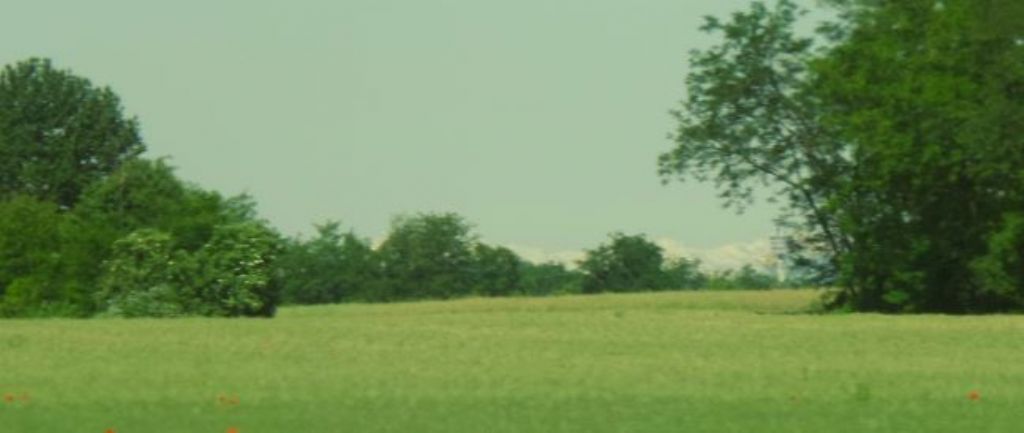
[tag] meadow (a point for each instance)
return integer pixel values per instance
(662, 362)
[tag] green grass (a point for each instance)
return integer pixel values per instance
(667, 362)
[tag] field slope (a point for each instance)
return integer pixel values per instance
(668, 362)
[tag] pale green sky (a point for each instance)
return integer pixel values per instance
(538, 120)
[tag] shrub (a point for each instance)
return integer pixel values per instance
(1000, 273)
(233, 272)
(143, 277)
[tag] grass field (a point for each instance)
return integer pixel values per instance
(667, 362)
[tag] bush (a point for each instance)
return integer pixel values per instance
(229, 276)
(232, 273)
(27, 296)
(144, 277)
(1000, 273)
(684, 274)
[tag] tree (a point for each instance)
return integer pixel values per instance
(550, 278)
(751, 120)
(229, 276)
(1000, 271)
(144, 277)
(86, 225)
(141, 194)
(745, 278)
(625, 264)
(29, 253)
(496, 271)
(427, 256)
(896, 145)
(331, 267)
(233, 272)
(683, 273)
(59, 133)
(925, 93)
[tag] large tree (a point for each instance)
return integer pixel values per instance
(928, 96)
(750, 121)
(59, 133)
(895, 146)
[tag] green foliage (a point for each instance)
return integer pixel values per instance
(30, 295)
(86, 226)
(551, 278)
(58, 133)
(625, 264)
(229, 276)
(750, 121)
(141, 194)
(683, 273)
(28, 238)
(896, 146)
(147, 194)
(138, 243)
(29, 256)
(927, 100)
(745, 278)
(427, 256)
(233, 272)
(1000, 271)
(497, 271)
(331, 267)
(144, 277)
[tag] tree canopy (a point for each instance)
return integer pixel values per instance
(59, 133)
(627, 263)
(895, 144)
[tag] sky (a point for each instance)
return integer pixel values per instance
(539, 121)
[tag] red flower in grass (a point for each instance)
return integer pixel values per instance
(974, 395)
(232, 429)
(110, 430)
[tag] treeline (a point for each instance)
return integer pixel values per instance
(88, 227)
(137, 242)
(436, 256)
